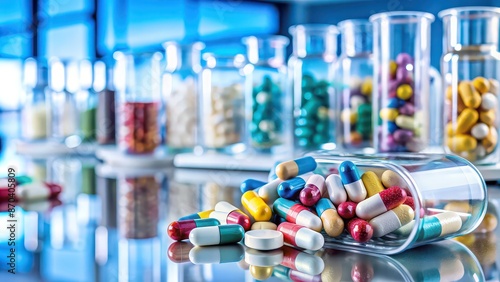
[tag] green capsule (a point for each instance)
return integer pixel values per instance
(303, 132)
(307, 81)
(302, 122)
(311, 107)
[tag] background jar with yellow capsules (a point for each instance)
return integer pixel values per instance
(471, 69)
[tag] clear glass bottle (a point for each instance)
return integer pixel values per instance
(448, 192)
(105, 116)
(222, 106)
(137, 82)
(311, 73)
(402, 105)
(86, 101)
(63, 79)
(35, 115)
(267, 107)
(471, 68)
(180, 86)
(354, 77)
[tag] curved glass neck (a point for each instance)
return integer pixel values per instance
(467, 28)
(183, 56)
(266, 51)
(310, 40)
(357, 37)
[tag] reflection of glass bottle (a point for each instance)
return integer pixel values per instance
(310, 71)
(180, 85)
(35, 117)
(471, 71)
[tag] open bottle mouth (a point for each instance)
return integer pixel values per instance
(474, 12)
(313, 28)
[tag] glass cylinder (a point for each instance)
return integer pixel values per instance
(267, 107)
(35, 115)
(354, 76)
(86, 101)
(63, 81)
(222, 106)
(402, 100)
(471, 68)
(105, 115)
(180, 86)
(448, 198)
(137, 82)
(310, 73)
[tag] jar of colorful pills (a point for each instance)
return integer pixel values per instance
(267, 105)
(471, 69)
(137, 83)
(354, 78)
(398, 201)
(222, 121)
(403, 106)
(311, 72)
(180, 86)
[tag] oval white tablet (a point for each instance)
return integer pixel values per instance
(264, 239)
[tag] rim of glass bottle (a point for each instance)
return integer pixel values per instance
(402, 17)
(198, 45)
(313, 28)
(461, 11)
(211, 59)
(279, 39)
(354, 22)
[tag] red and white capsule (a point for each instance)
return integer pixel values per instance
(380, 203)
(301, 236)
(312, 192)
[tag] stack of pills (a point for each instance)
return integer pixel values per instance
(181, 115)
(471, 127)
(401, 128)
(139, 131)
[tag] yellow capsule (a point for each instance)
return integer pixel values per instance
(205, 214)
(466, 120)
(389, 114)
(406, 122)
(481, 84)
(349, 116)
(490, 142)
(460, 104)
(366, 87)
(467, 240)
(372, 183)
(261, 272)
(264, 225)
(404, 92)
(488, 224)
(391, 179)
(450, 129)
(254, 204)
(494, 86)
(393, 67)
(488, 117)
(457, 206)
(462, 143)
(469, 95)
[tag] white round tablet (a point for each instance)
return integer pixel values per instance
(263, 258)
(264, 239)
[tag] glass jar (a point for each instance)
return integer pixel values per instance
(86, 101)
(402, 104)
(471, 68)
(104, 87)
(180, 86)
(267, 106)
(35, 115)
(448, 192)
(62, 80)
(222, 106)
(311, 71)
(354, 76)
(137, 83)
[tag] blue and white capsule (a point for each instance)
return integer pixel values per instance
(291, 169)
(251, 184)
(290, 189)
(352, 181)
(269, 191)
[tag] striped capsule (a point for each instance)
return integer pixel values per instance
(313, 190)
(256, 206)
(290, 169)
(332, 222)
(233, 217)
(179, 230)
(372, 183)
(439, 225)
(391, 220)
(301, 236)
(269, 191)
(297, 213)
(352, 182)
(251, 184)
(380, 203)
(336, 190)
(290, 189)
(30, 191)
(360, 230)
(301, 261)
(200, 215)
(216, 235)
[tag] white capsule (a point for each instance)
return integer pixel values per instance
(451, 222)
(309, 239)
(309, 264)
(480, 131)
(309, 220)
(223, 206)
(356, 191)
(269, 192)
(391, 220)
(336, 189)
(488, 101)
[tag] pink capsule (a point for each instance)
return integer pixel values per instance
(360, 230)
(347, 210)
(380, 203)
(315, 187)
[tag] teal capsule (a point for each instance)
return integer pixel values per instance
(303, 132)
